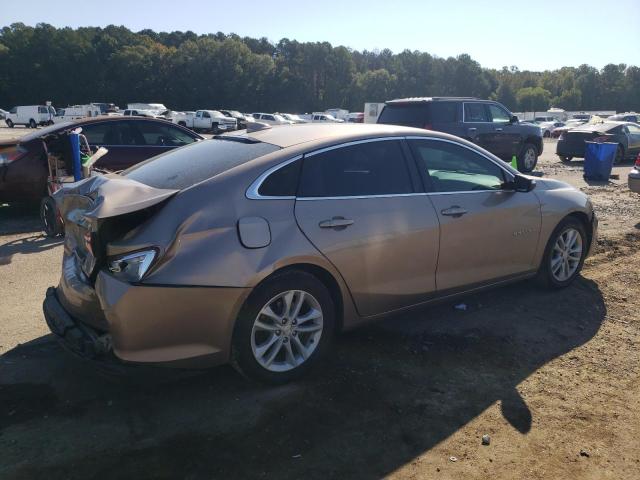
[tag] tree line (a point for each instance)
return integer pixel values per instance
(186, 71)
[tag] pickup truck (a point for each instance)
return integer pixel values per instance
(213, 121)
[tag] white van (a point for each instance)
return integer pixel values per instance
(30, 116)
(76, 112)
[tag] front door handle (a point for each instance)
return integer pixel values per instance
(498, 129)
(454, 211)
(339, 223)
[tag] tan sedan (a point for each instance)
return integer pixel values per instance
(256, 248)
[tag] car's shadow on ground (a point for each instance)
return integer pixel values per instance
(32, 244)
(19, 218)
(390, 392)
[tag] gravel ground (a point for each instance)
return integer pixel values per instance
(552, 377)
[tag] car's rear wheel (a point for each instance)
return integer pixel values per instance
(564, 254)
(51, 222)
(284, 328)
(32, 123)
(9, 123)
(528, 158)
(546, 134)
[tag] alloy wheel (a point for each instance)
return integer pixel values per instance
(566, 254)
(287, 330)
(529, 159)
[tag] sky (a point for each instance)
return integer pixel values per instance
(532, 35)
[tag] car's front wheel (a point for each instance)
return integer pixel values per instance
(32, 123)
(564, 254)
(284, 328)
(9, 123)
(528, 158)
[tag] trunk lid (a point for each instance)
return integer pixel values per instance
(100, 209)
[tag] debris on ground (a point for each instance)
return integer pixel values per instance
(486, 439)
(453, 459)
(584, 453)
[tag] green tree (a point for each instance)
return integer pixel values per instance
(533, 99)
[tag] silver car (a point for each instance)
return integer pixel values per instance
(256, 248)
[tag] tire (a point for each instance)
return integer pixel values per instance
(547, 134)
(548, 274)
(565, 158)
(528, 158)
(214, 128)
(279, 334)
(9, 123)
(619, 158)
(51, 223)
(183, 124)
(32, 123)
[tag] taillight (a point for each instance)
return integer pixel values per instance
(428, 126)
(638, 160)
(10, 154)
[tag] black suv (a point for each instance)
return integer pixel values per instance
(486, 123)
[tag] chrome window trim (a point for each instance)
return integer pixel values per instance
(252, 192)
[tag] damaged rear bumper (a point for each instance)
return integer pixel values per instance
(77, 337)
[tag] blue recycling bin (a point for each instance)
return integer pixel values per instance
(598, 160)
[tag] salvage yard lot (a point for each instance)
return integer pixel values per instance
(552, 377)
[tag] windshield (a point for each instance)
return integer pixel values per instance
(184, 167)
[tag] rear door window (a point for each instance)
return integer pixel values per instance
(444, 112)
(364, 169)
(283, 182)
(475, 112)
(408, 115)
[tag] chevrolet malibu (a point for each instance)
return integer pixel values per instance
(257, 248)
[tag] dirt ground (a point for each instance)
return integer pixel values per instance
(552, 377)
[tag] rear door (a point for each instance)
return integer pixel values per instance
(486, 232)
(477, 125)
(123, 140)
(360, 207)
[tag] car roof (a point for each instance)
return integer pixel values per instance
(427, 99)
(288, 135)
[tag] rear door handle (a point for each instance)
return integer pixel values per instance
(472, 129)
(498, 129)
(454, 211)
(338, 223)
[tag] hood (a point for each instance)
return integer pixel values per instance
(550, 184)
(111, 195)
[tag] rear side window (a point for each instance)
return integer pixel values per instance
(444, 112)
(43, 110)
(408, 115)
(371, 168)
(283, 182)
(163, 135)
(475, 112)
(186, 166)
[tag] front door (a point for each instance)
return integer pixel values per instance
(477, 126)
(360, 207)
(505, 141)
(486, 232)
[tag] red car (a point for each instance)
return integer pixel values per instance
(130, 140)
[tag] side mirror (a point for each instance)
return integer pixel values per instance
(520, 183)
(513, 119)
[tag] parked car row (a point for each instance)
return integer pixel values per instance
(626, 135)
